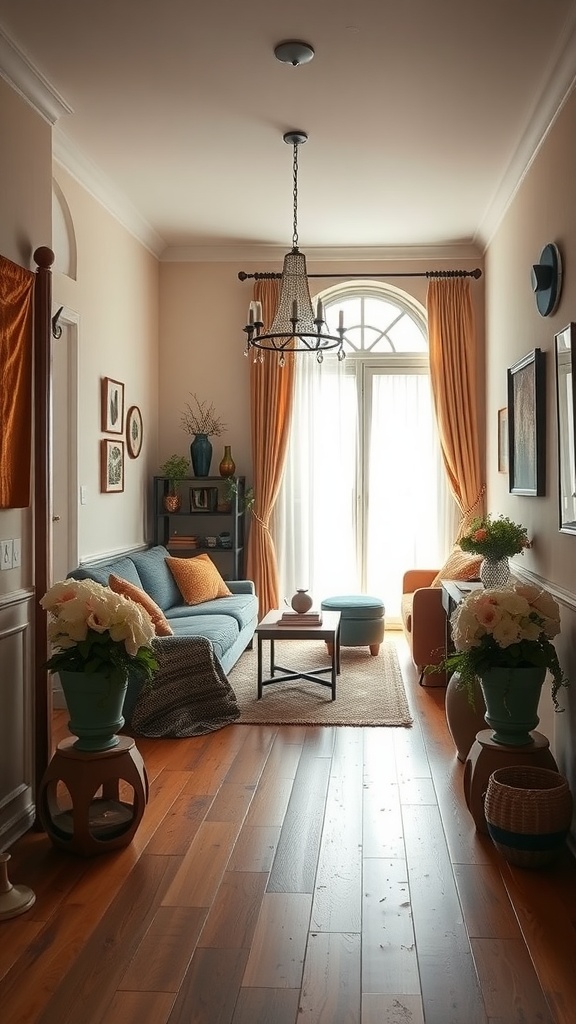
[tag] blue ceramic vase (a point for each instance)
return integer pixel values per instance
(201, 455)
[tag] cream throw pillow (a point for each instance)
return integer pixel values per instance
(460, 565)
(198, 579)
(161, 625)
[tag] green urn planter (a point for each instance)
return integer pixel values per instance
(511, 696)
(95, 707)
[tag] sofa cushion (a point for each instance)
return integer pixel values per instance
(242, 607)
(157, 580)
(221, 630)
(161, 625)
(460, 565)
(124, 568)
(198, 579)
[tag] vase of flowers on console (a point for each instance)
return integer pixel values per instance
(496, 540)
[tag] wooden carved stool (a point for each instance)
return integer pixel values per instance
(91, 817)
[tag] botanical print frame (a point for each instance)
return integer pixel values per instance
(527, 425)
(112, 406)
(111, 465)
(565, 363)
(134, 431)
(503, 440)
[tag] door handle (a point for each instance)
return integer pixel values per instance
(55, 519)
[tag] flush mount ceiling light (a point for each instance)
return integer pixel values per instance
(295, 328)
(294, 52)
(547, 280)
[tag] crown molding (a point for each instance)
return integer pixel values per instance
(90, 177)
(320, 254)
(29, 83)
(560, 82)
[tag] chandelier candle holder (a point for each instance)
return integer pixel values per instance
(296, 327)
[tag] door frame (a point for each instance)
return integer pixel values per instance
(70, 319)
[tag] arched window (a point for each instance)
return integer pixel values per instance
(364, 495)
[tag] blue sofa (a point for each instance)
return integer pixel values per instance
(227, 623)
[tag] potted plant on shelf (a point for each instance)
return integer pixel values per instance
(497, 540)
(200, 420)
(99, 639)
(504, 638)
(175, 469)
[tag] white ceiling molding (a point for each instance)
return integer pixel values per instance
(105, 192)
(21, 74)
(561, 78)
(350, 254)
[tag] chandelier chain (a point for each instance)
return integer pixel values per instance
(295, 195)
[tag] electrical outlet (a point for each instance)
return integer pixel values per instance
(6, 554)
(16, 553)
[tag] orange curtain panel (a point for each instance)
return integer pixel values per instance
(271, 399)
(16, 326)
(452, 346)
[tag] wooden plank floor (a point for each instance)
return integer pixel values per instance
(286, 874)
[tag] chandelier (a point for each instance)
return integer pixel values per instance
(296, 326)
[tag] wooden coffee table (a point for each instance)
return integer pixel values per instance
(329, 631)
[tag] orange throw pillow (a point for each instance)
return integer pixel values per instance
(460, 565)
(161, 625)
(198, 579)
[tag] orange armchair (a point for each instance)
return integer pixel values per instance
(424, 622)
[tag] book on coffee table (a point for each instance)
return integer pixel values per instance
(311, 618)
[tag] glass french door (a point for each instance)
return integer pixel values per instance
(359, 503)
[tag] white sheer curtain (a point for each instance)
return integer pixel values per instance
(406, 525)
(314, 521)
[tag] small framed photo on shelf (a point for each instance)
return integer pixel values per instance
(527, 425)
(134, 431)
(502, 440)
(203, 499)
(111, 466)
(112, 412)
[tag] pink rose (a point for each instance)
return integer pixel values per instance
(480, 534)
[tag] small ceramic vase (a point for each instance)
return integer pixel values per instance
(227, 466)
(301, 602)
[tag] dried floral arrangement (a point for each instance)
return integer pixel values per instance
(200, 418)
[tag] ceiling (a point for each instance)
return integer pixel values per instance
(422, 117)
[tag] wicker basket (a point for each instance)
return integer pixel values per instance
(528, 812)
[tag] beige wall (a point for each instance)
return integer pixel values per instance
(115, 296)
(25, 224)
(203, 308)
(543, 211)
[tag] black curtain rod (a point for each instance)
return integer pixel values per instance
(270, 275)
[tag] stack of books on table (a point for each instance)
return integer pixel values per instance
(311, 618)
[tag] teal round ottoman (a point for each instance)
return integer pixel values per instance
(361, 620)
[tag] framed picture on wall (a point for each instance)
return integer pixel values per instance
(134, 431)
(502, 440)
(112, 399)
(527, 425)
(565, 353)
(111, 465)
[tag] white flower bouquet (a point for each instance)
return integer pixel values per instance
(94, 630)
(508, 628)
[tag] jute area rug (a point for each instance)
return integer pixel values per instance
(369, 691)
